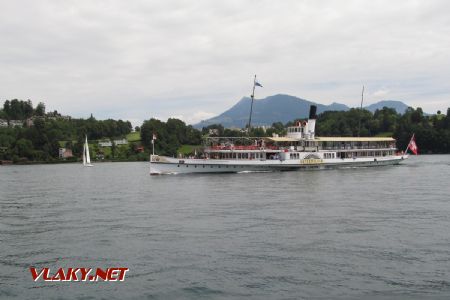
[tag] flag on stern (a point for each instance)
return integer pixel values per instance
(153, 138)
(413, 146)
(258, 84)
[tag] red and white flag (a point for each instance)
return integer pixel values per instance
(413, 146)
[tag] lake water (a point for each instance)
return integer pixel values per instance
(380, 232)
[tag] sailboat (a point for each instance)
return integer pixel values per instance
(86, 157)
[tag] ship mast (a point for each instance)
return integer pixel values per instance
(362, 99)
(251, 106)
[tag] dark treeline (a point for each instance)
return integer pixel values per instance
(20, 110)
(38, 138)
(432, 132)
(170, 135)
(219, 130)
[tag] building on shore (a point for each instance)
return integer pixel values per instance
(105, 143)
(121, 142)
(65, 153)
(109, 143)
(15, 123)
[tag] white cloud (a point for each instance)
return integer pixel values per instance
(140, 59)
(381, 93)
(198, 116)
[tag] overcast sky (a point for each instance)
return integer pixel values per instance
(194, 59)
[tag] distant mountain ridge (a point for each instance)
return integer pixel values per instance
(399, 106)
(282, 108)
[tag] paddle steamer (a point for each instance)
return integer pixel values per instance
(300, 149)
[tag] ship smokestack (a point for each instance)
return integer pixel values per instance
(312, 121)
(312, 112)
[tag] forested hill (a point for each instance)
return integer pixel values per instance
(30, 133)
(432, 132)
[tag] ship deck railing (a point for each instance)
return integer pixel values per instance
(260, 148)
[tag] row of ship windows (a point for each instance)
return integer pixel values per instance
(295, 156)
(325, 155)
(295, 129)
(328, 155)
(348, 154)
(365, 154)
(211, 166)
(238, 156)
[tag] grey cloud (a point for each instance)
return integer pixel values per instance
(139, 59)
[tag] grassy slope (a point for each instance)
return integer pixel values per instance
(134, 137)
(188, 149)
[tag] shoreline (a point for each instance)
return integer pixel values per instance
(65, 162)
(118, 161)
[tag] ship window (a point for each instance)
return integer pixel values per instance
(178, 166)
(195, 166)
(203, 166)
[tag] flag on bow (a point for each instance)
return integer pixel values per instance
(413, 146)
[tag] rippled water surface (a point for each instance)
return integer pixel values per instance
(354, 233)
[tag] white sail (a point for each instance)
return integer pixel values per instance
(88, 158)
(84, 154)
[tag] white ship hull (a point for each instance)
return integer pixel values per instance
(168, 165)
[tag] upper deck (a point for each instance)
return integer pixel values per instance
(280, 144)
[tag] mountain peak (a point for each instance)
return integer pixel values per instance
(282, 108)
(399, 106)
